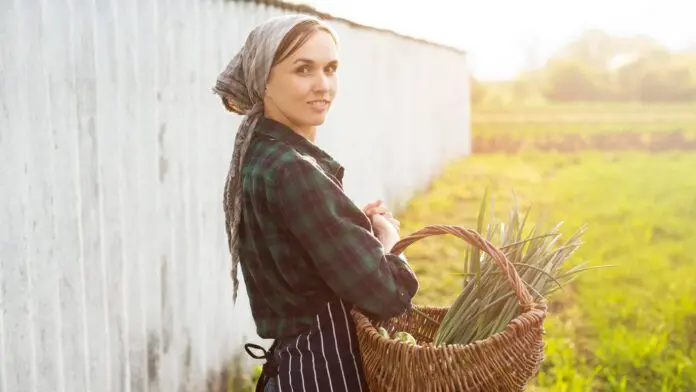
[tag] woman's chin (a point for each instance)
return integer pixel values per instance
(316, 119)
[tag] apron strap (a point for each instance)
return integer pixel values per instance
(270, 368)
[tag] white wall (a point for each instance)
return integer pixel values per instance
(114, 271)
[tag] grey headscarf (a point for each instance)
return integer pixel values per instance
(242, 86)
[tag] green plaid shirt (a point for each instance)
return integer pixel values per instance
(303, 242)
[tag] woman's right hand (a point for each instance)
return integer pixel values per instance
(385, 231)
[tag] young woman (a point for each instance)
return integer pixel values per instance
(307, 252)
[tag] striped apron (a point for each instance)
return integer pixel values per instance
(325, 358)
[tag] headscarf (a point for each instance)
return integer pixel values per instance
(242, 86)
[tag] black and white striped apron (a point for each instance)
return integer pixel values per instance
(325, 358)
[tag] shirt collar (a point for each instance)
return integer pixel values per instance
(282, 132)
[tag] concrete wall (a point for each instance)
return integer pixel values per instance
(114, 271)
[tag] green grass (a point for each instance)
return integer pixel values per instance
(554, 122)
(628, 328)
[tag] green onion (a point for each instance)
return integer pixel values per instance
(487, 304)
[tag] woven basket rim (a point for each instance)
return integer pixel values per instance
(538, 312)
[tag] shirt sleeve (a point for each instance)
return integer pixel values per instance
(337, 236)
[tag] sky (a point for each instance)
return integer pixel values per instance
(501, 37)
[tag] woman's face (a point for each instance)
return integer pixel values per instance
(301, 88)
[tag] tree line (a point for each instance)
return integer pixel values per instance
(600, 67)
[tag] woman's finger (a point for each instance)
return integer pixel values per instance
(381, 210)
(372, 205)
(376, 210)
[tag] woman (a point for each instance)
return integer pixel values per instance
(307, 252)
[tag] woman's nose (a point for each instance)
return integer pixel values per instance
(322, 83)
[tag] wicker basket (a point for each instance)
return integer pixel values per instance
(505, 361)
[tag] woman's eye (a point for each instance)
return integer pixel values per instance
(331, 69)
(303, 70)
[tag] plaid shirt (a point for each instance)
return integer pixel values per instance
(303, 242)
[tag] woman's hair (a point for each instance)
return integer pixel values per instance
(293, 40)
(297, 37)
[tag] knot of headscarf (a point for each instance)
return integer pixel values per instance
(241, 87)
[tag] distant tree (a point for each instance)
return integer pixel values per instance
(593, 47)
(600, 49)
(628, 79)
(598, 66)
(667, 84)
(569, 80)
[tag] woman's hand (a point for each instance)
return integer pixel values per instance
(377, 207)
(385, 225)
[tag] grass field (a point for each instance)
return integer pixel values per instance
(628, 328)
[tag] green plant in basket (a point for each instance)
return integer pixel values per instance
(487, 303)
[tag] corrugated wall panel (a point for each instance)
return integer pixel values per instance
(114, 271)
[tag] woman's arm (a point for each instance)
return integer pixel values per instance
(336, 234)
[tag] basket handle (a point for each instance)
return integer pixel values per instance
(475, 239)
